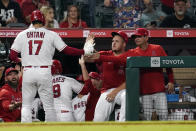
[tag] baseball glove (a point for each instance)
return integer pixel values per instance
(89, 47)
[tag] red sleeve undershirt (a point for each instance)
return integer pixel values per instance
(14, 56)
(67, 50)
(120, 59)
(88, 87)
(72, 51)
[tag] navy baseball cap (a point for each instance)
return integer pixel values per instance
(121, 34)
(9, 70)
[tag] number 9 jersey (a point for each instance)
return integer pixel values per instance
(63, 88)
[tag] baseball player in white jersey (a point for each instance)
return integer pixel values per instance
(62, 89)
(183, 114)
(37, 46)
(79, 107)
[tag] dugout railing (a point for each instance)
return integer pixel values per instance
(133, 73)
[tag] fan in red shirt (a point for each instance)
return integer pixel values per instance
(10, 97)
(28, 6)
(152, 86)
(73, 19)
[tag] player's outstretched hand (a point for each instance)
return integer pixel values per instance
(90, 37)
(89, 45)
(111, 96)
(81, 60)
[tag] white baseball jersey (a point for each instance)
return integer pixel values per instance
(37, 46)
(79, 107)
(180, 114)
(183, 114)
(62, 89)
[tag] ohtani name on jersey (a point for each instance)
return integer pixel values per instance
(58, 79)
(35, 34)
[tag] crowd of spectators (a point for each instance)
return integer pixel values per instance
(70, 14)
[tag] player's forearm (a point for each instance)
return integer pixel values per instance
(72, 51)
(115, 59)
(84, 72)
(14, 56)
(121, 87)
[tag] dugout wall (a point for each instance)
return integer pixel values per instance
(132, 77)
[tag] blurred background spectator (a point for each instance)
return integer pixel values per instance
(191, 11)
(73, 19)
(48, 12)
(10, 12)
(167, 6)
(28, 6)
(179, 19)
(151, 17)
(127, 13)
(60, 7)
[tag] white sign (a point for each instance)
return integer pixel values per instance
(155, 62)
(170, 33)
(86, 33)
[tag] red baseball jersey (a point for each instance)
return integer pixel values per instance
(92, 99)
(7, 96)
(113, 73)
(151, 79)
(79, 24)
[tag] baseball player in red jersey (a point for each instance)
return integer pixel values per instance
(113, 75)
(37, 46)
(63, 88)
(10, 97)
(93, 84)
(152, 86)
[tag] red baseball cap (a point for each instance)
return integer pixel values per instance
(122, 34)
(10, 70)
(79, 78)
(140, 32)
(94, 75)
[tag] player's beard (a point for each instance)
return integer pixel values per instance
(13, 83)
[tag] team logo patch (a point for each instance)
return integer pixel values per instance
(170, 33)
(155, 62)
(86, 33)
